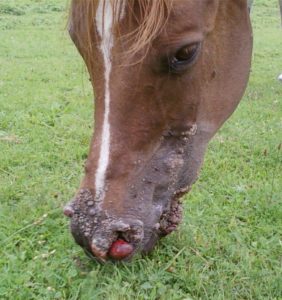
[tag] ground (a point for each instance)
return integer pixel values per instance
(230, 243)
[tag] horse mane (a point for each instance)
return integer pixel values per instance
(153, 17)
(149, 15)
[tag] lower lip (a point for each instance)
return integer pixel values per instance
(120, 249)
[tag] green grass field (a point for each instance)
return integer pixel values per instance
(230, 243)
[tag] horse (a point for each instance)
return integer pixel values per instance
(166, 75)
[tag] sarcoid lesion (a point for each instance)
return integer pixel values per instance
(172, 218)
(86, 212)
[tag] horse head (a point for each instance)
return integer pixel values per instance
(166, 75)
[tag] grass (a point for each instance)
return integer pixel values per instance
(230, 243)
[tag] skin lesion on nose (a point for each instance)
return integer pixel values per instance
(120, 249)
(104, 236)
(117, 239)
(68, 210)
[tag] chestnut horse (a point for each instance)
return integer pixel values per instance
(166, 74)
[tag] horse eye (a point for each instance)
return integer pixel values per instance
(183, 58)
(186, 53)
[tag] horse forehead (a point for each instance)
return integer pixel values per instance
(188, 6)
(104, 17)
(108, 13)
(184, 11)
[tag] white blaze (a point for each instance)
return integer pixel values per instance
(104, 23)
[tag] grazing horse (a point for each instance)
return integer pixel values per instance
(166, 75)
